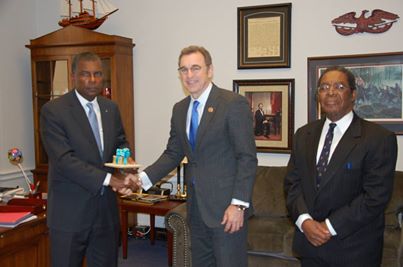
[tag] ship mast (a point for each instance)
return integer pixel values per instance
(81, 6)
(93, 7)
(70, 9)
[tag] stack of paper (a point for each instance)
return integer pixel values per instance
(146, 198)
(9, 192)
(12, 219)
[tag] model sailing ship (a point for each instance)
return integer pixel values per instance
(89, 14)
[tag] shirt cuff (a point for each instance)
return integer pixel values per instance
(145, 181)
(107, 179)
(301, 219)
(235, 201)
(330, 227)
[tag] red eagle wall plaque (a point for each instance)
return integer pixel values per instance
(379, 21)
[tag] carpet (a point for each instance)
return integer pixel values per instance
(140, 253)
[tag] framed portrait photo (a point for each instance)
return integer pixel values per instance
(272, 107)
(379, 79)
(264, 36)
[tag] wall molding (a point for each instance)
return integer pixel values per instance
(15, 178)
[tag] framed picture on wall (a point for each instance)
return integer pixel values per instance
(379, 80)
(272, 106)
(264, 36)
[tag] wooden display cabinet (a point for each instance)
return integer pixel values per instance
(51, 58)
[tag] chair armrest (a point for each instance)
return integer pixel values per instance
(176, 223)
(180, 211)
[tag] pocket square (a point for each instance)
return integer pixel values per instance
(349, 166)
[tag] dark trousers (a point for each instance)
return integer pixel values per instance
(352, 257)
(99, 245)
(213, 247)
(316, 262)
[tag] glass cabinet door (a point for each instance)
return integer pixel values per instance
(51, 81)
(106, 68)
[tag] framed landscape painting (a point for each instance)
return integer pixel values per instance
(379, 79)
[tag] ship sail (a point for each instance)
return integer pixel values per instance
(88, 14)
(102, 8)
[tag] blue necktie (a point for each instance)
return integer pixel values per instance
(194, 124)
(324, 155)
(94, 125)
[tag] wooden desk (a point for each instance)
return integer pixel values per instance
(25, 245)
(159, 209)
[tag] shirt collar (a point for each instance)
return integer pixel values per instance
(343, 123)
(203, 97)
(84, 101)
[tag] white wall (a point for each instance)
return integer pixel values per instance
(160, 28)
(17, 23)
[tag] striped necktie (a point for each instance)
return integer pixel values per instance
(324, 155)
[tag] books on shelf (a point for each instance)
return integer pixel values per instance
(12, 219)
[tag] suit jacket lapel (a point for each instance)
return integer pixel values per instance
(312, 143)
(208, 113)
(81, 118)
(79, 115)
(106, 117)
(343, 149)
(182, 117)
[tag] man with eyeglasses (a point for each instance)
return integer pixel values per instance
(339, 180)
(213, 128)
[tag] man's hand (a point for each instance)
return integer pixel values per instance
(134, 180)
(233, 219)
(125, 183)
(130, 160)
(316, 232)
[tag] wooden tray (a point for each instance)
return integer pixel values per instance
(121, 166)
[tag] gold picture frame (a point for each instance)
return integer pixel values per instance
(273, 132)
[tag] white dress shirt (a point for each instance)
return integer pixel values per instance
(97, 111)
(341, 127)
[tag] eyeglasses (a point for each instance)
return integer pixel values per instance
(87, 74)
(325, 87)
(194, 69)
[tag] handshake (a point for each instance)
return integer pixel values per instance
(125, 183)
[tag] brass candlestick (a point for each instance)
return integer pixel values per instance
(178, 191)
(184, 194)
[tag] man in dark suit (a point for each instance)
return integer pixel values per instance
(338, 186)
(82, 207)
(221, 162)
(261, 124)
